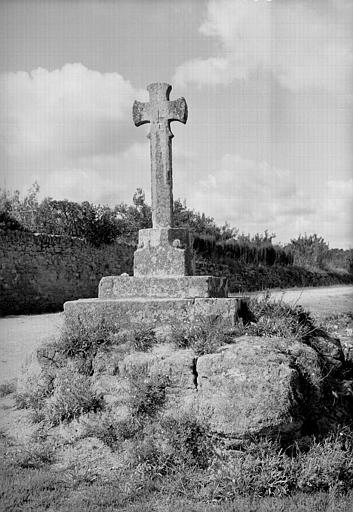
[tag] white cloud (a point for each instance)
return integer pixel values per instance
(100, 178)
(304, 45)
(70, 129)
(254, 196)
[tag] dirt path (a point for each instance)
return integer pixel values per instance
(20, 335)
(321, 302)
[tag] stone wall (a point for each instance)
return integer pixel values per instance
(39, 272)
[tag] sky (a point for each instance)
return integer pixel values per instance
(268, 143)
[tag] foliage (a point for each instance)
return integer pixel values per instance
(244, 250)
(7, 388)
(147, 393)
(108, 429)
(36, 388)
(144, 338)
(203, 335)
(309, 250)
(199, 223)
(277, 318)
(101, 224)
(34, 455)
(327, 465)
(81, 339)
(96, 223)
(72, 396)
(29, 490)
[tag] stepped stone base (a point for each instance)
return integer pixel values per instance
(136, 312)
(125, 286)
(164, 252)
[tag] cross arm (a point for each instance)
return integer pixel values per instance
(140, 113)
(178, 110)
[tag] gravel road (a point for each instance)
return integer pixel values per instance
(20, 335)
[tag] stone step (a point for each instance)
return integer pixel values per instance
(138, 312)
(125, 286)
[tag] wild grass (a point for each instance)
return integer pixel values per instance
(62, 398)
(7, 388)
(202, 335)
(72, 396)
(144, 338)
(171, 461)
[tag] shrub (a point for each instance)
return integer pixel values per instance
(34, 390)
(278, 319)
(144, 338)
(109, 430)
(7, 388)
(259, 469)
(187, 442)
(203, 335)
(30, 490)
(327, 465)
(147, 393)
(82, 339)
(34, 455)
(72, 397)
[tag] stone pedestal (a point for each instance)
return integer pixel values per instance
(164, 252)
(162, 291)
(178, 287)
(152, 312)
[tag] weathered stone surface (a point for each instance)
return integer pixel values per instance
(164, 252)
(39, 272)
(331, 350)
(159, 112)
(132, 313)
(255, 387)
(174, 287)
(347, 346)
(164, 360)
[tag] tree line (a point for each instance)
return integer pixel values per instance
(100, 224)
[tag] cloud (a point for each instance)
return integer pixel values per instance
(250, 193)
(72, 106)
(108, 179)
(254, 196)
(70, 129)
(302, 44)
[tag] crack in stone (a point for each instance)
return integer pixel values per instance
(194, 371)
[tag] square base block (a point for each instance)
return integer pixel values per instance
(164, 252)
(125, 286)
(134, 313)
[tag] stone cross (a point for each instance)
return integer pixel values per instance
(159, 111)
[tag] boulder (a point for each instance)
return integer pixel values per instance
(347, 346)
(177, 365)
(258, 386)
(331, 351)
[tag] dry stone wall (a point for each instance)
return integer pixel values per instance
(39, 272)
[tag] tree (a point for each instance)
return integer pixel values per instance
(309, 250)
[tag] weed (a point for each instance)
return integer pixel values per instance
(187, 441)
(29, 490)
(327, 465)
(147, 394)
(144, 338)
(81, 338)
(109, 430)
(7, 388)
(34, 455)
(35, 389)
(72, 397)
(203, 335)
(279, 319)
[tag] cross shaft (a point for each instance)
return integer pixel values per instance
(159, 112)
